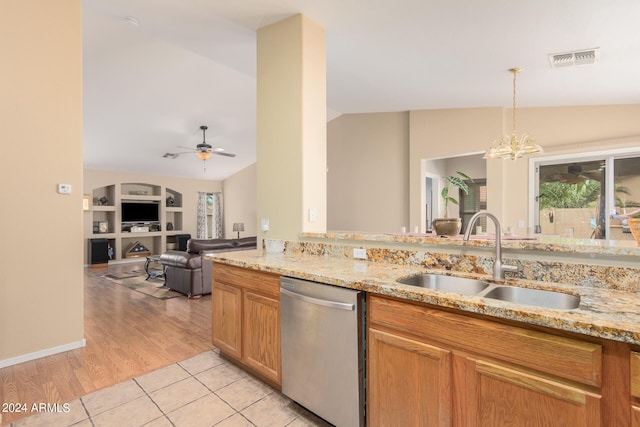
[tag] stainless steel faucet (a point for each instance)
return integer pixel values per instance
(498, 268)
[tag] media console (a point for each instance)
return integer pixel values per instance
(141, 227)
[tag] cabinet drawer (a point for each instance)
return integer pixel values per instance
(565, 357)
(258, 281)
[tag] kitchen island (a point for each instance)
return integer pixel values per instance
(480, 353)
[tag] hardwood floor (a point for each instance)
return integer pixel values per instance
(127, 333)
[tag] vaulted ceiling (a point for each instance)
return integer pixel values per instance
(149, 87)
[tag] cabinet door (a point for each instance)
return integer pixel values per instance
(227, 319)
(261, 337)
(409, 382)
(503, 396)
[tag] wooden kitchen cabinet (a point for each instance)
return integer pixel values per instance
(443, 368)
(261, 337)
(397, 369)
(226, 301)
(634, 362)
(246, 319)
(499, 395)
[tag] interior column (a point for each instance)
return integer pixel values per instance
(291, 129)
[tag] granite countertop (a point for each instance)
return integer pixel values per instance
(582, 247)
(604, 313)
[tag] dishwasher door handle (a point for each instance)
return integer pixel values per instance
(317, 301)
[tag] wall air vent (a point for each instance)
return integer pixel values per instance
(578, 57)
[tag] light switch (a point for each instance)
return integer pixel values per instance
(64, 188)
(264, 224)
(312, 215)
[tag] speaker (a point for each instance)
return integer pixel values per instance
(181, 241)
(98, 251)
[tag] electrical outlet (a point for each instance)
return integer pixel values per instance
(359, 253)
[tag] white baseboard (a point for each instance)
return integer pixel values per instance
(42, 353)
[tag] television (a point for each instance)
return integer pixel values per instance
(140, 211)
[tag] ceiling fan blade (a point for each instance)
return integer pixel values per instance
(175, 155)
(592, 175)
(191, 149)
(222, 153)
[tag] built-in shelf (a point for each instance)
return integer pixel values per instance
(140, 197)
(173, 199)
(106, 210)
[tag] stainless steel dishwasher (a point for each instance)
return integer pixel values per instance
(323, 349)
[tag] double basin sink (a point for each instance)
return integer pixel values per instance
(466, 286)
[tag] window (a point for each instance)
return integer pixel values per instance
(474, 202)
(582, 198)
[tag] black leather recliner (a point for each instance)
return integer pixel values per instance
(190, 272)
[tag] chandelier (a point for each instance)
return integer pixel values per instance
(513, 146)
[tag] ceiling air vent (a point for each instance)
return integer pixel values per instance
(578, 57)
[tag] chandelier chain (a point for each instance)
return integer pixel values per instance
(515, 71)
(514, 101)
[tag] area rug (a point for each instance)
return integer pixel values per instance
(136, 280)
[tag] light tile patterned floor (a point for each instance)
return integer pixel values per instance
(202, 391)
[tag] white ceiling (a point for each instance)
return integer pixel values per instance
(147, 89)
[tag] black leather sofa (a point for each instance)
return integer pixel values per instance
(190, 272)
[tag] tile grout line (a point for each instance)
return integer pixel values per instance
(193, 375)
(154, 402)
(236, 412)
(86, 411)
(215, 394)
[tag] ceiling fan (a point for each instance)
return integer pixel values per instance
(575, 174)
(202, 150)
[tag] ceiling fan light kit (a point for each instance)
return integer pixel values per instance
(513, 146)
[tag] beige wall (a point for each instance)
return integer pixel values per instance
(41, 285)
(367, 180)
(474, 166)
(188, 187)
(435, 134)
(240, 202)
(291, 127)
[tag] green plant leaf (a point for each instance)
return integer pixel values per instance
(458, 182)
(465, 176)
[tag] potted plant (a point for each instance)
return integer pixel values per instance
(446, 226)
